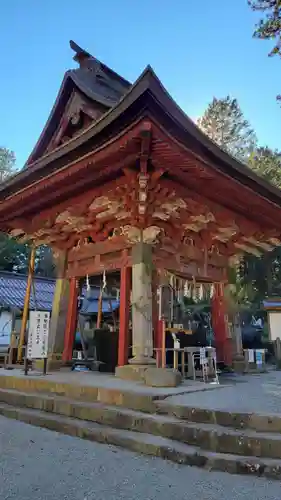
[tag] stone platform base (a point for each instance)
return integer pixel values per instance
(99, 408)
(54, 363)
(238, 363)
(149, 375)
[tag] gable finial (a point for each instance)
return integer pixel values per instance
(80, 54)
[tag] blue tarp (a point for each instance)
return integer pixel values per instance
(91, 306)
(272, 304)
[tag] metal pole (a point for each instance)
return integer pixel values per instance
(26, 305)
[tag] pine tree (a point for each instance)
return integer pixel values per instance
(7, 164)
(267, 163)
(224, 122)
(269, 27)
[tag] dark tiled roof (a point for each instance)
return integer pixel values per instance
(13, 288)
(99, 90)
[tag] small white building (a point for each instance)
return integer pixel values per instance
(6, 322)
(273, 308)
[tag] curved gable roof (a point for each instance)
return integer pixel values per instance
(147, 96)
(105, 88)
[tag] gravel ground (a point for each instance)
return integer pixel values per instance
(44, 465)
(249, 393)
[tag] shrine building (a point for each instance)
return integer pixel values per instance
(122, 181)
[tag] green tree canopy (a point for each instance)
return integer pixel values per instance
(14, 256)
(267, 163)
(269, 26)
(7, 164)
(224, 122)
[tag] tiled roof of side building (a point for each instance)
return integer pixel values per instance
(13, 288)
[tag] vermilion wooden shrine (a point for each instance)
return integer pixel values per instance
(121, 179)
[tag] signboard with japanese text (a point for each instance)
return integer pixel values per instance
(38, 334)
(203, 358)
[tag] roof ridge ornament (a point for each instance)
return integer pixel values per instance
(86, 60)
(80, 54)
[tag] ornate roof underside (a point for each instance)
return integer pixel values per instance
(150, 207)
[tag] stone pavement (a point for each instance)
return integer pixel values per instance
(245, 393)
(37, 464)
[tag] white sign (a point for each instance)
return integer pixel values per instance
(251, 355)
(38, 334)
(177, 344)
(203, 359)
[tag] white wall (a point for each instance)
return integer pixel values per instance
(5, 327)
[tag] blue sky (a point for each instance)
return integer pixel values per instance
(199, 49)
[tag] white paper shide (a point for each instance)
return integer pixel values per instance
(38, 334)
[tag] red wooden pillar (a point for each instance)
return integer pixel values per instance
(124, 315)
(220, 327)
(155, 310)
(71, 321)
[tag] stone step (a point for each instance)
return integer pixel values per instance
(134, 399)
(254, 421)
(146, 443)
(211, 437)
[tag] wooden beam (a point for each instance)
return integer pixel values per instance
(213, 274)
(92, 249)
(95, 266)
(192, 253)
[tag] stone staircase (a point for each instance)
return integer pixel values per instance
(215, 440)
